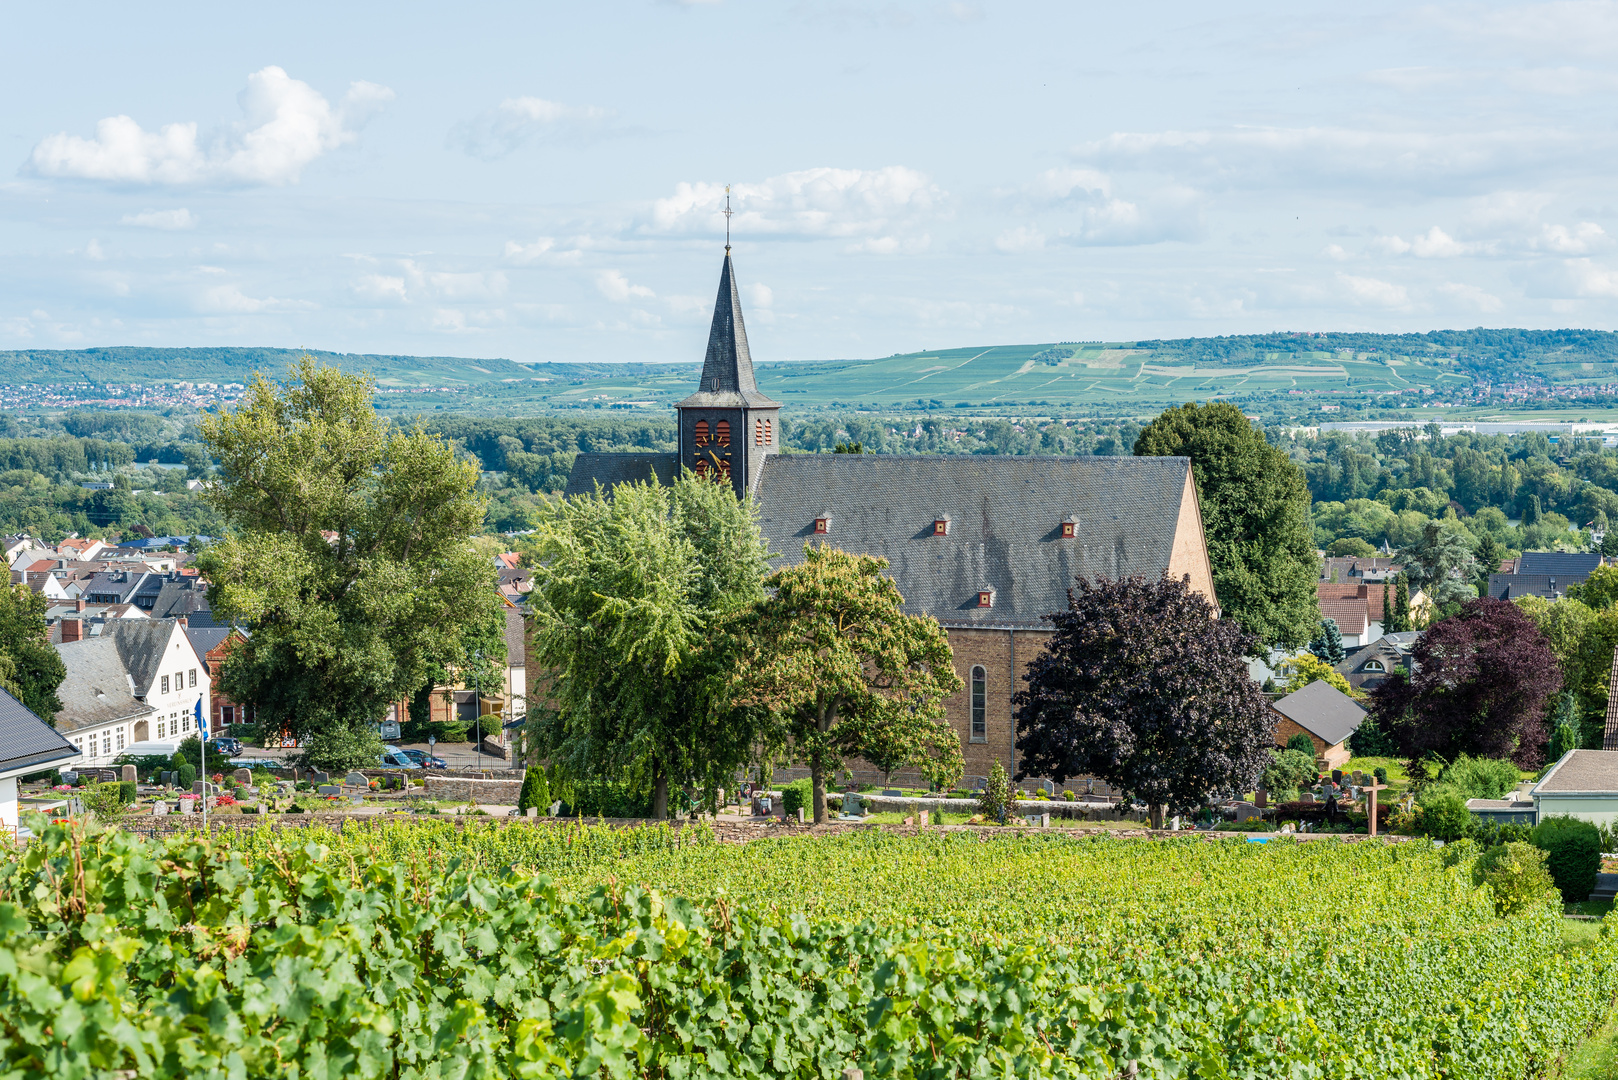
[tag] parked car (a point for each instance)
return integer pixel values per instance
(424, 759)
(395, 758)
(225, 747)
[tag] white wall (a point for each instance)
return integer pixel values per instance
(1597, 810)
(8, 804)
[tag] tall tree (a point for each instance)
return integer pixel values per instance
(1144, 688)
(631, 596)
(349, 557)
(33, 671)
(1483, 679)
(1442, 564)
(834, 656)
(1328, 642)
(1255, 510)
(1400, 622)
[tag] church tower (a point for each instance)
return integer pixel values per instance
(727, 426)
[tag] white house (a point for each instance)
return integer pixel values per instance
(1583, 784)
(139, 680)
(27, 745)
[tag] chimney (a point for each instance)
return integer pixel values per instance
(183, 621)
(78, 603)
(72, 630)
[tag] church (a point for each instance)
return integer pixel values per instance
(987, 545)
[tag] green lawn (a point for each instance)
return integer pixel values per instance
(1597, 1059)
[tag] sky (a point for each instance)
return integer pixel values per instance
(543, 181)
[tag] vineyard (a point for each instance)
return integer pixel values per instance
(436, 950)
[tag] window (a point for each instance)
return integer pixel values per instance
(193, 677)
(702, 466)
(980, 704)
(985, 598)
(769, 435)
(721, 433)
(227, 714)
(700, 435)
(120, 738)
(1067, 529)
(1374, 665)
(724, 465)
(758, 432)
(165, 684)
(161, 730)
(822, 525)
(941, 526)
(106, 744)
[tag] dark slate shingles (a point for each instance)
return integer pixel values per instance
(609, 470)
(1322, 709)
(26, 740)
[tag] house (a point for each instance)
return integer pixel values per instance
(494, 710)
(1354, 570)
(987, 545)
(1325, 714)
(81, 550)
(213, 643)
(1583, 784)
(114, 586)
(76, 619)
(27, 745)
(1353, 618)
(138, 680)
(1544, 573)
(1366, 667)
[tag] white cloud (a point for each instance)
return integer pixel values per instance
(1335, 252)
(759, 295)
(381, 287)
(1054, 185)
(1473, 297)
(614, 286)
(1020, 239)
(890, 245)
(230, 300)
(812, 202)
(93, 252)
(1588, 279)
(518, 121)
(1371, 291)
(1558, 29)
(544, 249)
(286, 125)
(171, 220)
(1435, 243)
(1584, 237)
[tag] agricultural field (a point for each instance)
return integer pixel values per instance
(428, 950)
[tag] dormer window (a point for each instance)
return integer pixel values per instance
(1069, 527)
(700, 434)
(823, 524)
(985, 598)
(941, 525)
(1374, 665)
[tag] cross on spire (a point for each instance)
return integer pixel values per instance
(727, 211)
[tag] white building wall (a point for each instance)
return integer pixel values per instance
(8, 805)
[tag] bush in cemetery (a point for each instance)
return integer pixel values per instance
(994, 803)
(1441, 813)
(536, 792)
(103, 799)
(1303, 744)
(1289, 771)
(127, 792)
(1573, 854)
(1516, 874)
(1481, 778)
(798, 795)
(187, 775)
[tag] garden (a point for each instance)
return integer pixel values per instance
(429, 948)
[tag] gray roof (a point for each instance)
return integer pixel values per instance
(98, 689)
(1516, 586)
(1005, 523)
(121, 585)
(206, 638)
(609, 470)
(1568, 567)
(1592, 772)
(1323, 710)
(516, 646)
(26, 741)
(727, 370)
(140, 645)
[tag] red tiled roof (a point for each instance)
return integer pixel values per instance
(1371, 594)
(1349, 614)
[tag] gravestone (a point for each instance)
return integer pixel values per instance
(160, 809)
(317, 778)
(242, 776)
(285, 789)
(357, 800)
(1246, 811)
(1047, 787)
(1044, 821)
(69, 777)
(1261, 798)
(924, 816)
(166, 777)
(532, 811)
(977, 783)
(1337, 776)
(556, 807)
(199, 787)
(127, 774)
(328, 789)
(357, 779)
(890, 793)
(1359, 777)
(1174, 823)
(800, 815)
(1307, 797)
(853, 804)
(188, 806)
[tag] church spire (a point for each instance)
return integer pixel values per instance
(727, 369)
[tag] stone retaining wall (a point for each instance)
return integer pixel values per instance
(456, 789)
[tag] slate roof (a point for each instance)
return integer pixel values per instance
(1323, 710)
(141, 643)
(609, 470)
(727, 369)
(1516, 586)
(98, 689)
(117, 586)
(204, 639)
(26, 741)
(1569, 566)
(1582, 771)
(1005, 523)
(516, 642)
(1609, 738)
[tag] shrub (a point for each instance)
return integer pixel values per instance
(800, 794)
(1481, 778)
(1369, 740)
(1069, 796)
(1303, 744)
(1458, 852)
(1442, 814)
(1252, 824)
(104, 799)
(188, 775)
(1289, 771)
(1381, 774)
(536, 792)
(994, 801)
(1573, 854)
(126, 792)
(1516, 874)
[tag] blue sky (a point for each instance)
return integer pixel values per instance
(542, 181)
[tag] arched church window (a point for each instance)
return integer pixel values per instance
(700, 436)
(769, 435)
(721, 433)
(980, 702)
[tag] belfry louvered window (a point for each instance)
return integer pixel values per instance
(700, 435)
(721, 433)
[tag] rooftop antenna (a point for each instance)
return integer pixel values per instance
(727, 211)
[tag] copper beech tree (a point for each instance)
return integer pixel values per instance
(835, 658)
(1143, 687)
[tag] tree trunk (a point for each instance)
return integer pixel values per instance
(660, 793)
(1155, 814)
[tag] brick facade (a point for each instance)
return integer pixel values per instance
(1334, 756)
(1003, 655)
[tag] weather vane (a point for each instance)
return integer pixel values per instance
(727, 211)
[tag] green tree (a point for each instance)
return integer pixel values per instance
(1303, 744)
(30, 668)
(834, 656)
(1288, 771)
(632, 593)
(1303, 669)
(1442, 564)
(1255, 510)
(348, 557)
(1399, 623)
(1328, 642)
(1599, 590)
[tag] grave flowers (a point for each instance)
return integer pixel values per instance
(225, 800)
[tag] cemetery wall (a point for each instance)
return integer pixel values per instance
(498, 792)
